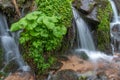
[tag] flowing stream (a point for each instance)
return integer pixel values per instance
(9, 47)
(85, 41)
(115, 29)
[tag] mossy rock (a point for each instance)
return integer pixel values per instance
(104, 15)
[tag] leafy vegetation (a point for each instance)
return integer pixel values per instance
(41, 33)
(103, 31)
(43, 30)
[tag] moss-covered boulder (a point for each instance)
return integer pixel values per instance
(104, 15)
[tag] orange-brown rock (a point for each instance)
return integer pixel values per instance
(108, 69)
(20, 76)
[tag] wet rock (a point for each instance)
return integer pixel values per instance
(63, 58)
(115, 40)
(7, 7)
(86, 70)
(84, 6)
(87, 8)
(20, 76)
(82, 55)
(56, 66)
(65, 75)
(5, 4)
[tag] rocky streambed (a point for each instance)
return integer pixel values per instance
(76, 68)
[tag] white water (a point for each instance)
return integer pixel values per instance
(87, 44)
(115, 29)
(9, 47)
(115, 12)
(95, 56)
(84, 36)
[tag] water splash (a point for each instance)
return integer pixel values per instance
(84, 36)
(95, 56)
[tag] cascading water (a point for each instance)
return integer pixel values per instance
(87, 48)
(115, 29)
(115, 12)
(85, 39)
(84, 36)
(9, 47)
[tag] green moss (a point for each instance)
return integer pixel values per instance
(61, 8)
(103, 30)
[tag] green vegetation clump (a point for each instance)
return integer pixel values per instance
(103, 31)
(41, 33)
(43, 30)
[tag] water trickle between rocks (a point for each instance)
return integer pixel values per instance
(11, 53)
(84, 37)
(115, 29)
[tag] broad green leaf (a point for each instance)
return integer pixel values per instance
(33, 33)
(31, 26)
(15, 27)
(43, 33)
(23, 23)
(57, 32)
(48, 24)
(63, 30)
(40, 19)
(53, 19)
(31, 17)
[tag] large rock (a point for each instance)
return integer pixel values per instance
(87, 8)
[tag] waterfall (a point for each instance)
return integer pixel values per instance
(115, 12)
(115, 29)
(86, 46)
(85, 40)
(9, 47)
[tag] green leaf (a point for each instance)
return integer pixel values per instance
(33, 33)
(48, 24)
(15, 27)
(23, 23)
(31, 17)
(63, 30)
(31, 26)
(36, 44)
(57, 32)
(53, 19)
(40, 19)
